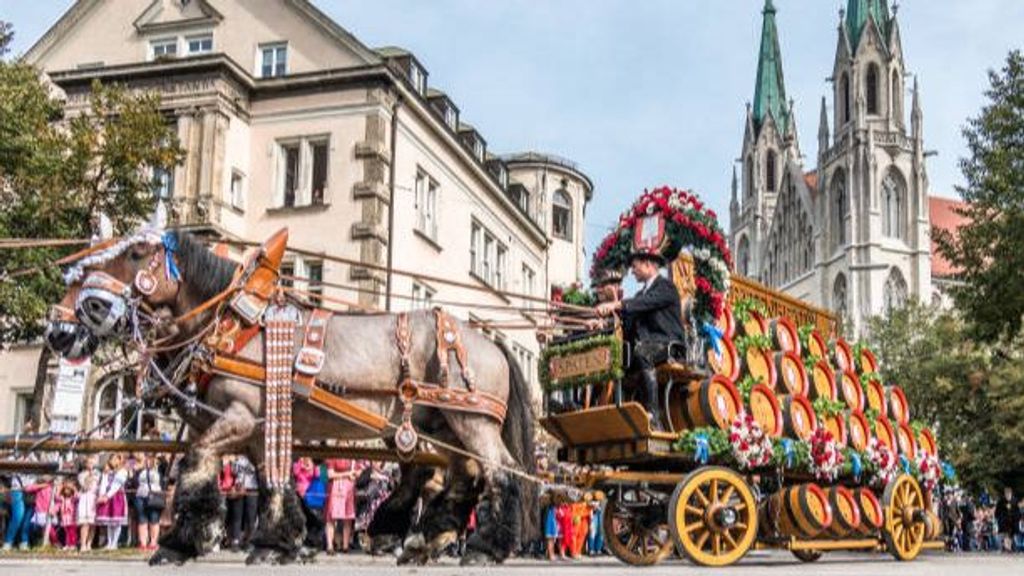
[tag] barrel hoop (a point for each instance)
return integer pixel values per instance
(787, 507)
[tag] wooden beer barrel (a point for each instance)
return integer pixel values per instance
(885, 434)
(761, 365)
(784, 335)
(850, 390)
(764, 407)
(874, 397)
(802, 511)
(858, 431)
(725, 361)
(867, 361)
(842, 356)
(926, 440)
(822, 382)
(754, 325)
(845, 512)
(836, 425)
(899, 409)
(905, 440)
(726, 322)
(798, 417)
(792, 378)
(713, 402)
(816, 346)
(871, 517)
(932, 526)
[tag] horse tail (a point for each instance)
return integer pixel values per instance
(518, 434)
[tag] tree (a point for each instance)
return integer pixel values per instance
(989, 251)
(57, 172)
(972, 394)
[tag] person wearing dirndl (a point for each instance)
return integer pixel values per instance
(88, 487)
(111, 501)
(341, 501)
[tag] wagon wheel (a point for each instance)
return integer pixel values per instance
(634, 528)
(807, 556)
(713, 517)
(904, 528)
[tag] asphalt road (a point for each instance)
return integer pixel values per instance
(755, 564)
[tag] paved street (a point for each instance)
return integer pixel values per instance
(756, 564)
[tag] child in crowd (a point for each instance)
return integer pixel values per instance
(88, 484)
(595, 540)
(43, 518)
(111, 502)
(550, 508)
(566, 530)
(341, 501)
(580, 525)
(67, 513)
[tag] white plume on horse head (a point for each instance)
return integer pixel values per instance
(153, 230)
(104, 229)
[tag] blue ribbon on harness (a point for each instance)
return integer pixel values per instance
(714, 335)
(702, 450)
(856, 466)
(170, 242)
(787, 449)
(905, 464)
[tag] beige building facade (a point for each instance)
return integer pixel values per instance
(290, 121)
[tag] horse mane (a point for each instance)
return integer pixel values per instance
(205, 272)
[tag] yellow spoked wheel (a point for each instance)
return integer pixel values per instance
(713, 517)
(634, 527)
(904, 528)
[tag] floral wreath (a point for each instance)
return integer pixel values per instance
(689, 225)
(883, 461)
(929, 470)
(751, 447)
(826, 456)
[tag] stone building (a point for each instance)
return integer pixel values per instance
(852, 233)
(290, 120)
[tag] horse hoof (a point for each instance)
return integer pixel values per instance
(384, 544)
(307, 555)
(475, 558)
(167, 556)
(261, 556)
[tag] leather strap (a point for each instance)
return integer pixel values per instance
(449, 339)
(310, 358)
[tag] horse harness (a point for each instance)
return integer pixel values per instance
(288, 371)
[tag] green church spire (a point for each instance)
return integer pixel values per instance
(857, 12)
(770, 89)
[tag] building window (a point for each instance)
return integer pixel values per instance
(478, 149)
(500, 266)
(872, 89)
(743, 256)
(237, 191)
(844, 97)
(422, 297)
(163, 183)
(839, 207)
(319, 152)
(290, 157)
(839, 298)
(164, 48)
(273, 60)
(426, 205)
(489, 257)
(893, 207)
(202, 44)
(561, 215)
(526, 362)
(895, 291)
(896, 97)
(475, 235)
(314, 279)
(287, 272)
(303, 176)
(451, 118)
(750, 176)
(502, 177)
(529, 280)
(417, 78)
(770, 175)
(22, 410)
(113, 394)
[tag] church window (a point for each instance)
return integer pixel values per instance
(844, 97)
(743, 256)
(839, 207)
(561, 215)
(895, 292)
(750, 175)
(872, 89)
(770, 171)
(896, 96)
(894, 200)
(839, 297)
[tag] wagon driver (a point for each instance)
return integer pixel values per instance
(652, 320)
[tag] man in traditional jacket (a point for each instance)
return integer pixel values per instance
(652, 320)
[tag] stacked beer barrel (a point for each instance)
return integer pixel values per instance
(792, 373)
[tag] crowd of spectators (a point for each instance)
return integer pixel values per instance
(983, 524)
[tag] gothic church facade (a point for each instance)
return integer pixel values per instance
(851, 234)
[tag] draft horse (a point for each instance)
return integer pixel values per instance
(159, 284)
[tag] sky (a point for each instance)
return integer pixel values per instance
(642, 93)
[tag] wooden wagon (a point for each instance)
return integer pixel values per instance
(662, 500)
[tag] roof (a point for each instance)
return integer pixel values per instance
(534, 157)
(857, 14)
(392, 52)
(943, 215)
(770, 88)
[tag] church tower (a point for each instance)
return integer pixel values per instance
(874, 242)
(769, 146)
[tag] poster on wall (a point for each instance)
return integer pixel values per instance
(68, 395)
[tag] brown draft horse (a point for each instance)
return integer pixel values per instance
(361, 356)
